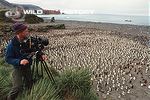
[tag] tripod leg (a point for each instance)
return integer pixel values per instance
(48, 72)
(41, 69)
(33, 67)
(37, 64)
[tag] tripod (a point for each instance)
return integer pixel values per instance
(39, 65)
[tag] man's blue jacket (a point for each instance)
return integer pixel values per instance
(14, 55)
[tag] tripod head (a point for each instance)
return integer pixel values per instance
(38, 55)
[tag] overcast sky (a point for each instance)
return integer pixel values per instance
(130, 7)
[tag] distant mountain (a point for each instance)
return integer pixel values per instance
(5, 4)
(29, 6)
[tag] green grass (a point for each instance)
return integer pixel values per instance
(5, 78)
(72, 84)
(77, 84)
(42, 90)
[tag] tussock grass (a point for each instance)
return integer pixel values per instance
(72, 84)
(76, 85)
(42, 90)
(5, 79)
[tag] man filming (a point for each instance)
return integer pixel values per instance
(22, 64)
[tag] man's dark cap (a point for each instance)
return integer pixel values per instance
(19, 27)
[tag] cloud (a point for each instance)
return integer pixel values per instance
(24, 1)
(102, 6)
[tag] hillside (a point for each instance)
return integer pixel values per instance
(5, 4)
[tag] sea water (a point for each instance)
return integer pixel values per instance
(105, 18)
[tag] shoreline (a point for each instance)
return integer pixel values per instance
(138, 32)
(103, 18)
(104, 23)
(101, 25)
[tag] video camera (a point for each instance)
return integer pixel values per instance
(33, 44)
(36, 44)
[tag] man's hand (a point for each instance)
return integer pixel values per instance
(44, 57)
(24, 62)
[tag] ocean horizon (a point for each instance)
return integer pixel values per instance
(105, 18)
